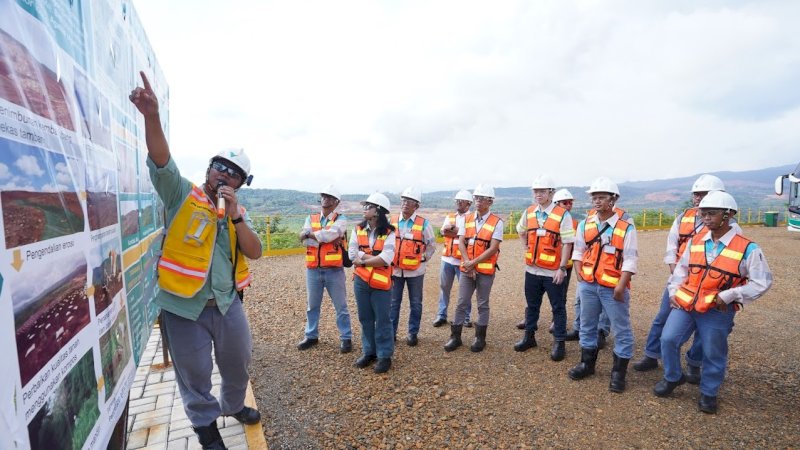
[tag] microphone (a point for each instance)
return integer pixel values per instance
(220, 201)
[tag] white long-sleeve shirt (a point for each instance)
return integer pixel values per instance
(670, 255)
(753, 266)
(387, 254)
(630, 245)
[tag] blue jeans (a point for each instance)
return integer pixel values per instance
(595, 299)
(604, 324)
(652, 348)
(414, 300)
(376, 324)
(535, 288)
(333, 280)
(447, 274)
(713, 328)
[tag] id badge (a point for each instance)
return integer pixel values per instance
(541, 232)
(610, 249)
(471, 241)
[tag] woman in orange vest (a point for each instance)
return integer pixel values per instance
(719, 272)
(372, 247)
(479, 243)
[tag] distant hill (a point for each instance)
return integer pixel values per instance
(752, 189)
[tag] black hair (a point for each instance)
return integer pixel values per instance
(383, 226)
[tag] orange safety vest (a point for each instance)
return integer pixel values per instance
(327, 254)
(409, 251)
(451, 243)
(478, 242)
(686, 230)
(376, 277)
(545, 245)
(574, 227)
(188, 248)
(598, 265)
(704, 280)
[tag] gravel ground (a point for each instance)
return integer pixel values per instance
(503, 399)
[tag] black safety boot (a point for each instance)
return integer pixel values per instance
(528, 341)
(707, 404)
(455, 338)
(411, 340)
(307, 343)
(480, 338)
(645, 364)
(692, 374)
(573, 335)
(346, 346)
(364, 361)
(618, 373)
(559, 351)
(601, 339)
(383, 365)
(586, 366)
(209, 437)
(663, 388)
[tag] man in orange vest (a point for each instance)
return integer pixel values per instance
(606, 251)
(323, 234)
(546, 231)
(451, 256)
(719, 272)
(415, 244)
(201, 270)
(479, 242)
(686, 225)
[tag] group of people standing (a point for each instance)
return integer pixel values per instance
(714, 271)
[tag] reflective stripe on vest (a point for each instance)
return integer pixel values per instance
(479, 242)
(327, 254)
(705, 280)
(409, 251)
(687, 229)
(451, 243)
(189, 245)
(603, 263)
(547, 247)
(375, 277)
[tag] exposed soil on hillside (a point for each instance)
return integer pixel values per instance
(504, 399)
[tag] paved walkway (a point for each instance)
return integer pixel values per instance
(155, 416)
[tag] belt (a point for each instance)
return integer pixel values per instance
(211, 303)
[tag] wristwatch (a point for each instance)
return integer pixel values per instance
(239, 220)
(563, 269)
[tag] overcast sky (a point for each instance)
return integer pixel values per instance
(374, 95)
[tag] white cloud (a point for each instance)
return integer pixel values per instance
(443, 95)
(4, 172)
(29, 165)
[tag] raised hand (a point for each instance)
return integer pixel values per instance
(144, 98)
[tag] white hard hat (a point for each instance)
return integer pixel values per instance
(543, 182)
(332, 191)
(562, 194)
(483, 191)
(238, 158)
(719, 199)
(378, 199)
(707, 183)
(412, 193)
(464, 195)
(603, 184)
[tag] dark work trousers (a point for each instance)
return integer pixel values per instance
(535, 288)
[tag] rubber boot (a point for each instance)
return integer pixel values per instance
(209, 437)
(586, 366)
(618, 374)
(528, 341)
(480, 338)
(559, 351)
(455, 338)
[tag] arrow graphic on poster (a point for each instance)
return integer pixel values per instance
(17, 262)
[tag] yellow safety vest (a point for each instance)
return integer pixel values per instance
(189, 244)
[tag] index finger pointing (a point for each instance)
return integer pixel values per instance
(145, 81)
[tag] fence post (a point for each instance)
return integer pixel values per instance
(510, 220)
(749, 211)
(660, 215)
(644, 218)
(758, 217)
(269, 236)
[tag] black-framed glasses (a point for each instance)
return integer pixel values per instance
(232, 172)
(368, 206)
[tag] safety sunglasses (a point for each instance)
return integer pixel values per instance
(230, 171)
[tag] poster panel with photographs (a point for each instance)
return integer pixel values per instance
(80, 223)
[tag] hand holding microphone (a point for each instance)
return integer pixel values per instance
(220, 200)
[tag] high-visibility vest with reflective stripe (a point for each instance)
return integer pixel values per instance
(451, 243)
(189, 245)
(327, 254)
(478, 241)
(686, 230)
(409, 251)
(704, 281)
(603, 266)
(544, 251)
(574, 227)
(375, 277)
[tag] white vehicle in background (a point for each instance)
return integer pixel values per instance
(793, 219)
